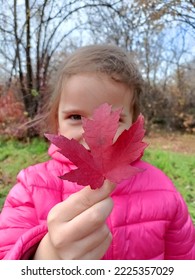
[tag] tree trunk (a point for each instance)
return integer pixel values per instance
(31, 101)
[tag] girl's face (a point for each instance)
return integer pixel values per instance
(82, 93)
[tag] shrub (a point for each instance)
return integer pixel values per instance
(12, 115)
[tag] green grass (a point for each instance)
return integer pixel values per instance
(180, 168)
(15, 155)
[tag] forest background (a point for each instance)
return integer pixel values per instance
(36, 34)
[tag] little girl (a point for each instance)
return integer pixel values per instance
(45, 217)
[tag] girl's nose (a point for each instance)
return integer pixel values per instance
(81, 138)
(82, 142)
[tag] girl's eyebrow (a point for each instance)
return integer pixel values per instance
(72, 111)
(68, 109)
(80, 112)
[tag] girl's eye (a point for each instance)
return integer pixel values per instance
(75, 117)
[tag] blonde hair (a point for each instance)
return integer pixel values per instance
(105, 59)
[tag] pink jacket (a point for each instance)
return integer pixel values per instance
(150, 220)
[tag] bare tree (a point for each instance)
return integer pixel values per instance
(36, 30)
(37, 33)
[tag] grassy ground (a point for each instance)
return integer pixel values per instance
(178, 164)
(174, 153)
(15, 155)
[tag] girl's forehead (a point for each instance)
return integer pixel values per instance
(92, 90)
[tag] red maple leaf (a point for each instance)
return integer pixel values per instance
(105, 159)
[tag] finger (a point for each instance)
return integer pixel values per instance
(92, 241)
(98, 252)
(109, 186)
(81, 247)
(78, 202)
(88, 221)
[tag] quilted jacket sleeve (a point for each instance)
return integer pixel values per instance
(20, 231)
(180, 238)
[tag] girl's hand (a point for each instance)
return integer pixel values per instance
(77, 226)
